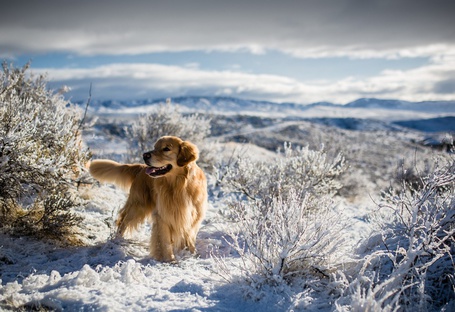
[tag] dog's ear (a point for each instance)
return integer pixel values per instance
(188, 152)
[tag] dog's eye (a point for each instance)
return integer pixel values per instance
(166, 149)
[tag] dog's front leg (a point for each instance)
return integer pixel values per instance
(131, 216)
(190, 240)
(161, 247)
(191, 233)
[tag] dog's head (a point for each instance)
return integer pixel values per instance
(169, 153)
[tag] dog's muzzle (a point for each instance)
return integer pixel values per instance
(154, 171)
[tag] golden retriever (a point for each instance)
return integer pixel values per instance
(170, 188)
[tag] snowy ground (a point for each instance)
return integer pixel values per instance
(117, 274)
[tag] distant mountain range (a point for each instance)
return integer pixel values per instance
(441, 124)
(431, 117)
(433, 106)
(235, 105)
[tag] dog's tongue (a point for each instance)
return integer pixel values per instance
(150, 170)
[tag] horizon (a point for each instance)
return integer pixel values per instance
(287, 52)
(148, 101)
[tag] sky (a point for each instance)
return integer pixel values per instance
(303, 51)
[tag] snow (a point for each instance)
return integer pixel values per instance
(108, 274)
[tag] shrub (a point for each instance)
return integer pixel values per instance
(50, 217)
(41, 151)
(307, 172)
(168, 120)
(284, 223)
(410, 264)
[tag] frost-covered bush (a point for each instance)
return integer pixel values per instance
(282, 238)
(308, 172)
(50, 217)
(40, 151)
(284, 225)
(409, 264)
(168, 120)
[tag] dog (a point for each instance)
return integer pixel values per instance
(170, 188)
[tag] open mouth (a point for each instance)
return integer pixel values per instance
(158, 171)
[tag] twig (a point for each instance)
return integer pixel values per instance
(86, 108)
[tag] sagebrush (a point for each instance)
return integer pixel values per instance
(309, 172)
(168, 120)
(41, 153)
(409, 263)
(284, 223)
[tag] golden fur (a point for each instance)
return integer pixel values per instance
(170, 188)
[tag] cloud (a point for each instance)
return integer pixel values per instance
(155, 80)
(445, 86)
(316, 28)
(137, 81)
(431, 51)
(390, 29)
(418, 84)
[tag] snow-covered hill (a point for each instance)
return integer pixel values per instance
(360, 114)
(227, 105)
(245, 121)
(427, 106)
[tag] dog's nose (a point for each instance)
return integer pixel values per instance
(147, 155)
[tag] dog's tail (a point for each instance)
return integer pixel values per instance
(112, 172)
